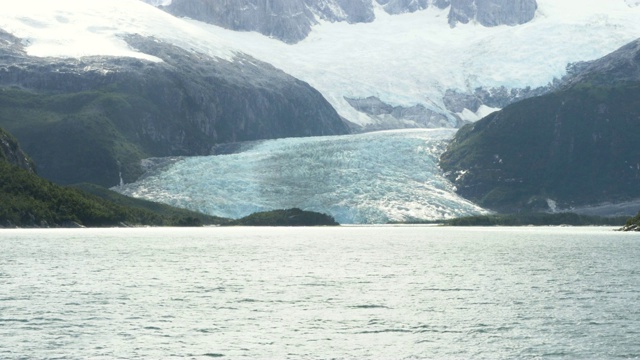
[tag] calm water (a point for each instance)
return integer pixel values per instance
(350, 292)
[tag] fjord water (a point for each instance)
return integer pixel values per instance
(349, 292)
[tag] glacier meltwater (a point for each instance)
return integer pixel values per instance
(358, 179)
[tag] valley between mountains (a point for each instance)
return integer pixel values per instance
(370, 111)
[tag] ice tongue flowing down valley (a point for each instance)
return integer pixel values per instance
(366, 178)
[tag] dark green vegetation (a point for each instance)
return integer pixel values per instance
(577, 146)
(93, 119)
(177, 216)
(81, 136)
(26, 200)
(289, 217)
(536, 219)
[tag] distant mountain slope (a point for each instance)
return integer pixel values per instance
(574, 147)
(92, 119)
(292, 20)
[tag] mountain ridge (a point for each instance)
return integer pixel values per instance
(572, 148)
(291, 21)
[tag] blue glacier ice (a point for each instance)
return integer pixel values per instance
(359, 179)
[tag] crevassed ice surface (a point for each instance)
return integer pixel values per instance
(367, 178)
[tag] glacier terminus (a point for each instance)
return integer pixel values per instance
(368, 178)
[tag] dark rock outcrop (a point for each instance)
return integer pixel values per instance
(291, 20)
(492, 12)
(457, 101)
(11, 152)
(401, 116)
(287, 20)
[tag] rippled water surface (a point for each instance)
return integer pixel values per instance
(350, 292)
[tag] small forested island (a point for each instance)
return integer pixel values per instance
(537, 219)
(633, 224)
(531, 219)
(289, 217)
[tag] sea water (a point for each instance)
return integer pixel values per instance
(320, 293)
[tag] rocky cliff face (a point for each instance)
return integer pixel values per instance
(287, 20)
(93, 119)
(11, 152)
(291, 20)
(400, 116)
(492, 12)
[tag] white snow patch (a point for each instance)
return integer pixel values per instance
(486, 111)
(76, 28)
(483, 111)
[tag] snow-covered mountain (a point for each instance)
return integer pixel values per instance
(417, 63)
(381, 64)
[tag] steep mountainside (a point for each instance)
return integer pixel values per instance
(26, 200)
(291, 20)
(92, 119)
(574, 147)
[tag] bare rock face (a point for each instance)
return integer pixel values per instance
(408, 6)
(492, 12)
(391, 117)
(10, 151)
(287, 20)
(291, 20)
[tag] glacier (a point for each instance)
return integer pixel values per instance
(369, 178)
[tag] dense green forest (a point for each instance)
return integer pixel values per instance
(27, 200)
(289, 217)
(536, 219)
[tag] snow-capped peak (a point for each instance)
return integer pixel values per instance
(406, 61)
